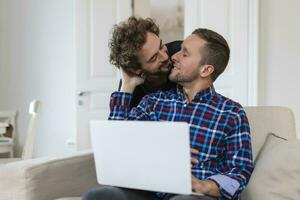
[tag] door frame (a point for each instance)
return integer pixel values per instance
(253, 61)
(83, 38)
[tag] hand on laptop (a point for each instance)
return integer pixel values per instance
(194, 161)
(206, 187)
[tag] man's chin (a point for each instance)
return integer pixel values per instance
(172, 78)
(161, 71)
(165, 71)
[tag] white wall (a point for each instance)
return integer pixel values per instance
(280, 54)
(37, 61)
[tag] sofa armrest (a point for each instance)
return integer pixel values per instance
(48, 178)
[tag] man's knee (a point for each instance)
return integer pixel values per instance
(104, 193)
(182, 197)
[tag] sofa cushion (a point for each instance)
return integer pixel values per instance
(271, 140)
(48, 178)
(266, 119)
(277, 173)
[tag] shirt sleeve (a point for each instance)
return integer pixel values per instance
(238, 158)
(120, 107)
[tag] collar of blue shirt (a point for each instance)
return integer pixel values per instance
(203, 95)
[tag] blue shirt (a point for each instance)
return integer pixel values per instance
(219, 130)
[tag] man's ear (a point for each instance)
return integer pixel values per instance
(206, 70)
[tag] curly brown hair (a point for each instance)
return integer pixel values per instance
(127, 39)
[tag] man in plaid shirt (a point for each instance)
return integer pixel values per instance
(219, 127)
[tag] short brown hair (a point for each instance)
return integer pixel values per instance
(216, 51)
(127, 39)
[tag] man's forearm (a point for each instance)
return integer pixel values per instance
(229, 185)
(120, 108)
(119, 105)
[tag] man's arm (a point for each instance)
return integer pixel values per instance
(120, 101)
(120, 108)
(238, 163)
(238, 158)
(130, 81)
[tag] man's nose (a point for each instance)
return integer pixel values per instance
(174, 58)
(163, 55)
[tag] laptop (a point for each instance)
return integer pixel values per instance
(145, 155)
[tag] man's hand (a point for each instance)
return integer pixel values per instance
(194, 161)
(206, 187)
(130, 80)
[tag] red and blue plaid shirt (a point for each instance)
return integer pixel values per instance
(219, 129)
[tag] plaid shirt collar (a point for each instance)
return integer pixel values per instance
(203, 95)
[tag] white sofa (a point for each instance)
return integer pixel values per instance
(276, 175)
(71, 176)
(48, 178)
